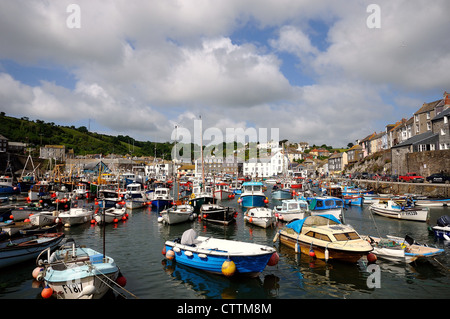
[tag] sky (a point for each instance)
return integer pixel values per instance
(323, 72)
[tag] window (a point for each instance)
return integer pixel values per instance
(442, 131)
(318, 236)
(428, 126)
(445, 119)
(346, 236)
(428, 115)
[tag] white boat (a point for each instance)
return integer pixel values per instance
(324, 237)
(177, 214)
(81, 191)
(292, 209)
(260, 216)
(397, 209)
(75, 216)
(135, 197)
(398, 249)
(110, 215)
(73, 272)
(222, 191)
(44, 218)
(432, 202)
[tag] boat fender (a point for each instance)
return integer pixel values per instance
(203, 256)
(170, 254)
(228, 268)
(176, 249)
(327, 254)
(273, 259)
(47, 292)
(188, 253)
(121, 280)
(164, 251)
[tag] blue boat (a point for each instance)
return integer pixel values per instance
(322, 205)
(7, 186)
(162, 198)
(220, 256)
(252, 195)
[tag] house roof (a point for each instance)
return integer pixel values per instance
(421, 138)
(441, 115)
(428, 107)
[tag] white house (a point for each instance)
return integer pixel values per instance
(266, 166)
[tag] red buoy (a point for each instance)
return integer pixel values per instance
(371, 258)
(273, 259)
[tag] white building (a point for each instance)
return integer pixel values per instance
(267, 166)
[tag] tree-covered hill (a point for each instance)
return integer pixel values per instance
(39, 133)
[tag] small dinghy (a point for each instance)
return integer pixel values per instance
(260, 216)
(220, 256)
(111, 215)
(177, 214)
(399, 249)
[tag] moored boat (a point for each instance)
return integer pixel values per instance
(324, 205)
(110, 215)
(220, 256)
(73, 272)
(177, 214)
(162, 198)
(75, 216)
(17, 250)
(399, 210)
(261, 216)
(253, 195)
(442, 228)
(324, 237)
(292, 209)
(398, 249)
(219, 214)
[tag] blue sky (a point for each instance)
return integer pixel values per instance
(313, 69)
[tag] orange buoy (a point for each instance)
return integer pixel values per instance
(170, 254)
(47, 292)
(164, 250)
(115, 220)
(121, 280)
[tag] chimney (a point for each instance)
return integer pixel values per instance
(446, 99)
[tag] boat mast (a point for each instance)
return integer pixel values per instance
(201, 150)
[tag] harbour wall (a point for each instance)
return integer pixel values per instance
(425, 189)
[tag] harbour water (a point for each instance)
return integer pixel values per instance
(136, 245)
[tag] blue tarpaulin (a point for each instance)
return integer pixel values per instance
(297, 225)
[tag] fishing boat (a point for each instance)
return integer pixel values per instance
(324, 237)
(280, 194)
(353, 199)
(162, 198)
(236, 187)
(17, 250)
(399, 210)
(177, 214)
(73, 272)
(442, 228)
(324, 205)
(75, 216)
(222, 191)
(108, 196)
(134, 196)
(110, 215)
(220, 256)
(81, 191)
(260, 216)
(7, 186)
(399, 249)
(292, 209)
(219, 214)
(201, 196)
(253, 195)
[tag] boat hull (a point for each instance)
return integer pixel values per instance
(281, 194)
(211, 260)
(253, 200)
(414, 214)
(319, 251)
(11, 255)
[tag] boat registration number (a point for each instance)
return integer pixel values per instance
(71, 288)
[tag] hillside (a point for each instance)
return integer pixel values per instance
(37, 133)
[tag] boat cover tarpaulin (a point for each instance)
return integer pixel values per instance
(326, 219)
(189, 237)
(443, 221)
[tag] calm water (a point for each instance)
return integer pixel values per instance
(136, 245)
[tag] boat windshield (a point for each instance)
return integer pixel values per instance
(319, 236)
(346, 236)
